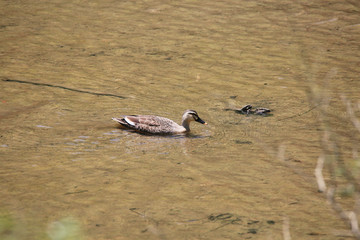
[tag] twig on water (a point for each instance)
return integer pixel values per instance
(299, 114)
(62, 87)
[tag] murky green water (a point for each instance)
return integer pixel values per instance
(62, 156)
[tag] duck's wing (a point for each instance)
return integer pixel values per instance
(143, 120)
(147, 123)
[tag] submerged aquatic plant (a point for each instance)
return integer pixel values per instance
(65, 229)
(7, 226)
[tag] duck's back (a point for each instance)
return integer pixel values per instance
(151, 124)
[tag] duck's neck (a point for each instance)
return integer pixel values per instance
(186, 124)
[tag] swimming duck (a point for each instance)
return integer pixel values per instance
(159, 125)
(248, 109)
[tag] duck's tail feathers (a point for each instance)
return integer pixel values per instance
(120, 120)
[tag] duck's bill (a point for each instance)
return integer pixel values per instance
(201, 121)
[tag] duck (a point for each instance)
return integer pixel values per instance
(159, 125)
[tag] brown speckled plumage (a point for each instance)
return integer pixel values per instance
(158, 125)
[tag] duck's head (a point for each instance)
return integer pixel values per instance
(191, 115)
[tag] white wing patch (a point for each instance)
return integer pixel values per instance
(129, 121)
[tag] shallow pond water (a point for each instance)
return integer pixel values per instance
(68, 67)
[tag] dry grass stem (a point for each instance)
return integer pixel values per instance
(286, 229)
(318, 174)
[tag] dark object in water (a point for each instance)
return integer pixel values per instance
(245, 109)
(248, 109)
(252, 231)
(261, 111)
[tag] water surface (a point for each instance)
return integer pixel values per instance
(67, 67)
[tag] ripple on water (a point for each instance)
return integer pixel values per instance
(115, 140)
(113, 132)
(85, 137)
(42, 126)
